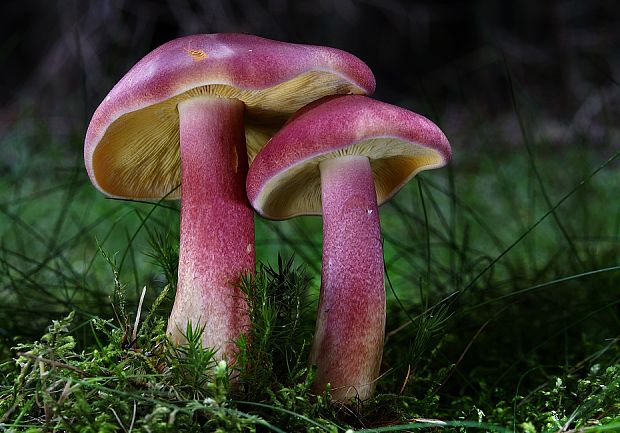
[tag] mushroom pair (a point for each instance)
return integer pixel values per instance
(192, 113)
(195, 111)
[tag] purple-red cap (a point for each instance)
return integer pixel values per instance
(132, 143)
(284, 179)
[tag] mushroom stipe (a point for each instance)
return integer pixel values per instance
(341, 157)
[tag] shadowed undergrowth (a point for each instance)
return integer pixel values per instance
(503, 312)
(498, 318)
(503, 268)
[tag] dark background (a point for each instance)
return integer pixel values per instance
(450, 60)
(492, 74)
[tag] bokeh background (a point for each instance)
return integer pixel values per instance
(447, 59)
(527, 91)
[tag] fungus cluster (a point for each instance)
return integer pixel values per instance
(192, 113)
(196, 112)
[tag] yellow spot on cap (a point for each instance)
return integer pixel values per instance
(196, 55)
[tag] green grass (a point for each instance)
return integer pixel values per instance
(503, 305)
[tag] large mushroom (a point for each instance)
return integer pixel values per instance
(342, 157)
(183, 115)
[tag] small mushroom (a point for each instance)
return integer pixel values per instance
(192, 113)
(343, 157)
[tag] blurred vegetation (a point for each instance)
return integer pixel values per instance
(504, 288)
(445, 59)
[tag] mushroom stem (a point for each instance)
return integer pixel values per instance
(350, 325)
(217, 225)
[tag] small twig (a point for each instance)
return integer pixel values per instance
(137, 322)
(402, 388)
(53, 363)
(118, 419)
(66, 391)
(133, 417)
(430, 421)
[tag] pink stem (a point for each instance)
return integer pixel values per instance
(350, 326)
(217, 225)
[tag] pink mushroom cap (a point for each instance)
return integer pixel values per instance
(285, 181)
(132, 143)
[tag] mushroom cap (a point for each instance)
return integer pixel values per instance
(285, 181)
(131, 148)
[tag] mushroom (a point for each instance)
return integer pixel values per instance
(183, 115)
(342, 157)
